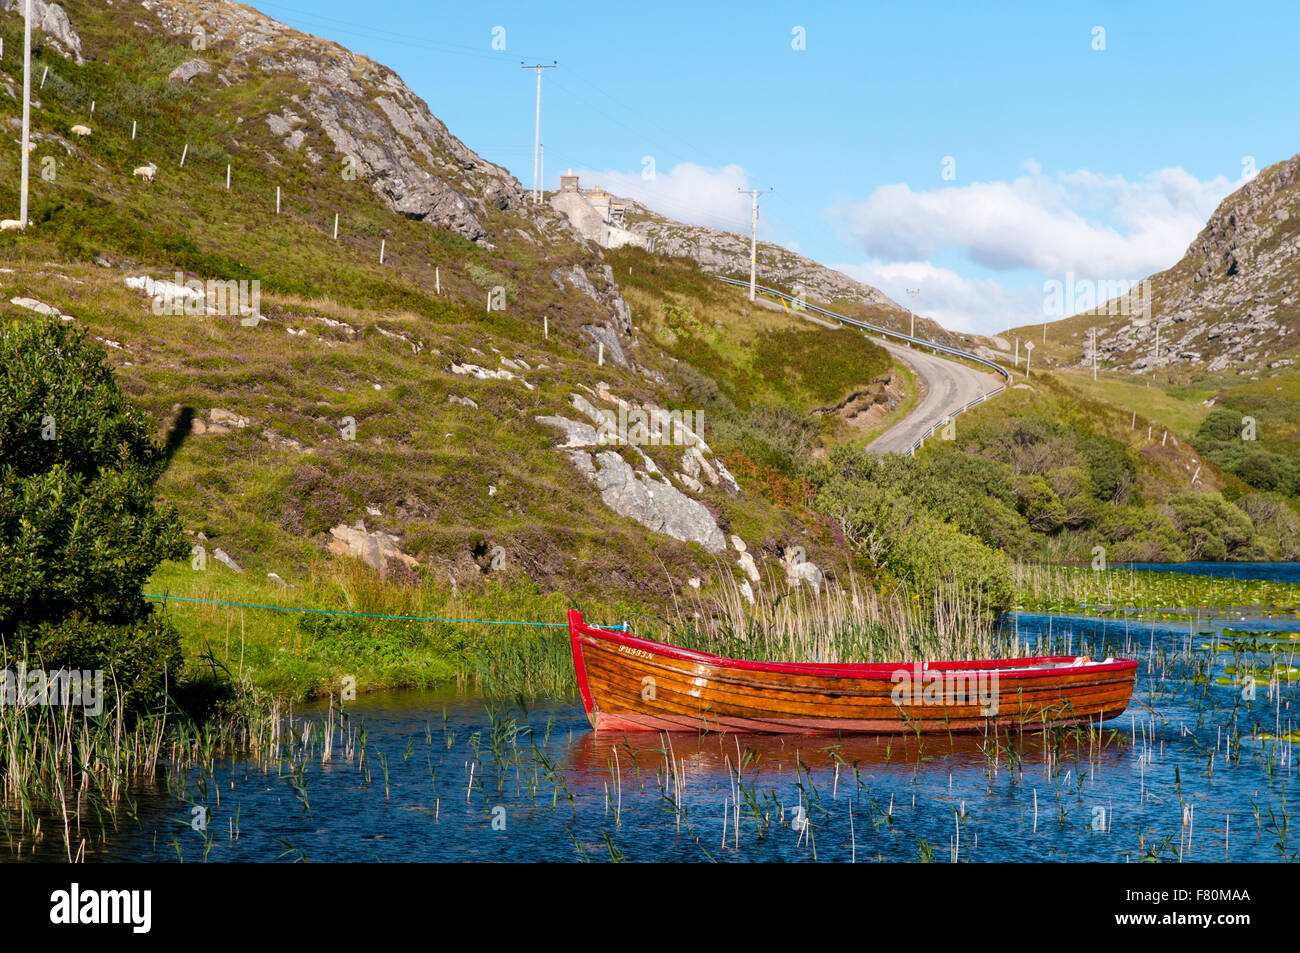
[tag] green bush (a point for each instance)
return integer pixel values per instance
(79, 530)
(905, 536)
(1212, 528)
(140, 660)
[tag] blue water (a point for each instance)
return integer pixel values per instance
(1161, 785)
(1273, 572)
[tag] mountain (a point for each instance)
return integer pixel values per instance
(1231, 305)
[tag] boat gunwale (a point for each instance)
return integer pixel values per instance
(1048, 665)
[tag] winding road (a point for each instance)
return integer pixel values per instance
(948, 387)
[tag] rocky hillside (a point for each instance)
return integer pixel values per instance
(1230, 306)
(727, 253)
(441, 379)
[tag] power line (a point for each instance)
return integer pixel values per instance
(537, 130)
(753, 237)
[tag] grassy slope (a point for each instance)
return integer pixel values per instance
(267, 493)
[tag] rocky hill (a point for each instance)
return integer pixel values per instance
(1230, 306)
(439, 372)
(727, 253)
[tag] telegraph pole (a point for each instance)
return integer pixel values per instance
(537, 131)
(753, 237)
(912, 293)
(27, 106)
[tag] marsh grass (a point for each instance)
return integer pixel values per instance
(849, 623)
(1080, 589)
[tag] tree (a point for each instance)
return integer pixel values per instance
(79, 530)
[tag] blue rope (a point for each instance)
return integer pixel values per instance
(370, 615)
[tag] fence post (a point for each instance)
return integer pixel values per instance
(381, 250)
(277, 200)
(184, 153)
(227, 175)
(336, 226)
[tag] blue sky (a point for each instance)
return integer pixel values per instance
(1060, 156)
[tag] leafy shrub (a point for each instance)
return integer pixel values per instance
(1212, 528)
(79, 529)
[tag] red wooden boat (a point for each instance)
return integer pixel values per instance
(631, 684)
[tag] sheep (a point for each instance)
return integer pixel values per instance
(146, 172)
(80, 130)
(9, 224)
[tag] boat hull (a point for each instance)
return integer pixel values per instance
(630, 684)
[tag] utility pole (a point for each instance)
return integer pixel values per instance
(753, 237)
(912, 293)
(27, 106)
(537, 131)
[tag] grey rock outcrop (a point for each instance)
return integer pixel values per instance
(51, 20)
(1231, 302)
(655, 505)
(377, 549)
(188, 70)
(380, 131)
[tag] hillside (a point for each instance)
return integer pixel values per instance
(455, 411)
(1228, 319)
(1231, 305)
(444, 397)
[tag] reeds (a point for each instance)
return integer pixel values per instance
(848, 623)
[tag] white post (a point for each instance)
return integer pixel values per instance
(132, 129)
(381, 250)
(92, 107)
(600, 355)
(27, 107)
(546, 327)
(43, 75)
(437, 278)
(537, 138)
(1017, 353)
(184, 153)
(336, 226)
(227, 175)
(537, 131)
(489, 301)
(277, 200)
(541, 165)
(1094, 353)
(753, 247)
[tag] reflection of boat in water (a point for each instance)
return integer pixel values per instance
(598, 756)
(631, 684)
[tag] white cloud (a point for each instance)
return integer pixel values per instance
(1080, 221)
(1102, 227)
(690, 193)
(978, 305)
